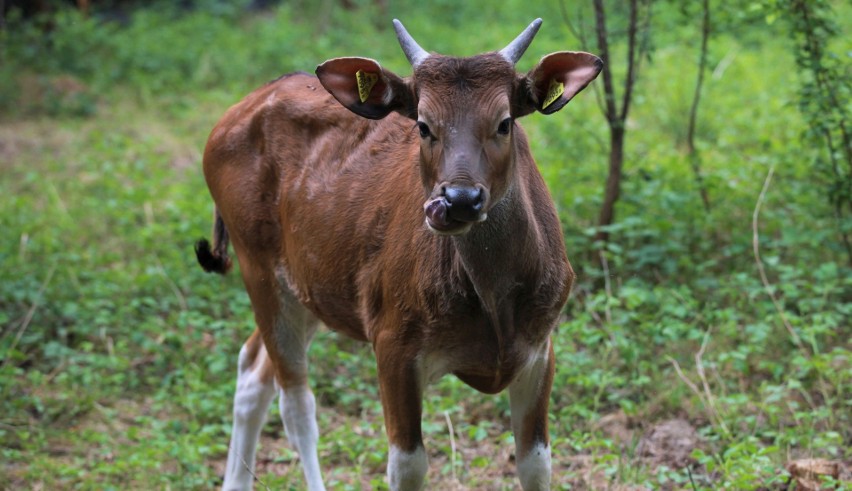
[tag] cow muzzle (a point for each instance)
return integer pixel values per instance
(455, 209)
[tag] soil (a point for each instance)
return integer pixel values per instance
(668, 443)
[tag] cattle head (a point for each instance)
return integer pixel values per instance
(463, 111)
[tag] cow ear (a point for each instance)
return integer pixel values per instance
(365, 88)
(556, 79)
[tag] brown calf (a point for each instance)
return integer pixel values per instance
(405, 212)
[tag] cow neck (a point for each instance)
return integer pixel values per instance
(497, 253)
(494, 255)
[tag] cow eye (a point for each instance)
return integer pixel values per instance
(424, 129)
(504, 127)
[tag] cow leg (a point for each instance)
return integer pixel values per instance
(296, 403)
(255, 390)
(298, 411)
(287, 328)
(529, 397)
(401, 392)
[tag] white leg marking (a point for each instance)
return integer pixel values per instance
(298, 411)
(406, 470)
(534, 468)
(251, 403)
(294, 330)
(524, 395)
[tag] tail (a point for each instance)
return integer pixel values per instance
(217, 260)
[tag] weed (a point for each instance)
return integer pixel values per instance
(119, 354)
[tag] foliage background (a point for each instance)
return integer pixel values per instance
(119, 354)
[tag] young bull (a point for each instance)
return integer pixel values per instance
(405, 212)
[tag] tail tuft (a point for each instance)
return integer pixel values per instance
(212, 262)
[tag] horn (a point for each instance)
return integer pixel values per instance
(412, 50)
(516, 48)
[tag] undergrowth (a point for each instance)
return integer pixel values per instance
(119, 354)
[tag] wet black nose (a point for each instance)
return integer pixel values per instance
(465, 202)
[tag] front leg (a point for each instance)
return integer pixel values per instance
(400, 386)
(529, 396)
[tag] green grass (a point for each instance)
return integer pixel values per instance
(119, 354)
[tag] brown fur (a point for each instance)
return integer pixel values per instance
(329, 206)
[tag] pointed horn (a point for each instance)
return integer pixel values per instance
(516, 48)
(412, 50)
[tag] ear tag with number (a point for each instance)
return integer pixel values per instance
(555, 90)
(366, 81)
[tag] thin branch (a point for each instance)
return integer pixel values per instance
(699, 367)
(644, 45)
(174, 287)
(607, 286)
(631, 61)
(594, 315)
(578, 32)
(689, 383)
(694, 388)
(22, 246)
(452, 445)
(603, 48)
(691, 480)
(763, 278)
(30, 313)
(251, 472)
(724, 63)
(695, 160)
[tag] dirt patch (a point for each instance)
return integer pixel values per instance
(669, 443)
(22, 143)
(618, 427)
(276, 457)
(809, 474)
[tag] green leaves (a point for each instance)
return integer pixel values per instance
(123, 372)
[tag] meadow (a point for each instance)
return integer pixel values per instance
(700, 349)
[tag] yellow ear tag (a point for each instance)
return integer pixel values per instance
(366, 81)
(555, 90)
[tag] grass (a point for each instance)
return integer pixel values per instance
(119, 354)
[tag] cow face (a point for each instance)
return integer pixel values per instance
(464, 110)
(465, 123)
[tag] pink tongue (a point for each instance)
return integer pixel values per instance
(436, 213)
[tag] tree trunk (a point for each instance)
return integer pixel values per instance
(694, 158)
(613, 182)
(617, 119)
